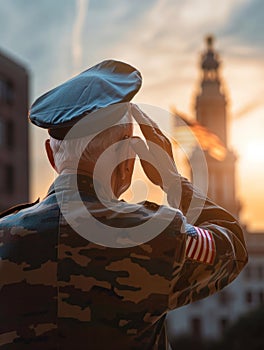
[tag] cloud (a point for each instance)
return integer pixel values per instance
(38, 33)
(160, 36)
(77, 52)
(165, 42)
(245, 28)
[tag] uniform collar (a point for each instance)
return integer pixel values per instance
(68, 182)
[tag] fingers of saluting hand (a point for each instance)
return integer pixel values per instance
(143, 118)
(150, 130)
(139, 146)
(157, 164)
(147, 160)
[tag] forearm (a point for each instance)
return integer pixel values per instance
(200, 211)
(231, 254)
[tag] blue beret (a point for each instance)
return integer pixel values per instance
(107, 83)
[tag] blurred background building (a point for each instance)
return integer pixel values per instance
(14, 158)
(209, 318)
(211, 112)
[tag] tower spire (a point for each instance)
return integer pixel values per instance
(210, 61)
(211, 101)
(209, 40)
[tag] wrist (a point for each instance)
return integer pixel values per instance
(174, 191)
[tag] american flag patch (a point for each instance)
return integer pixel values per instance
(201, 247)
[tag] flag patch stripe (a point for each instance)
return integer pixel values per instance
(202, 247)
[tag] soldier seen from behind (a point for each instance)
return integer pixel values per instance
(83, 269)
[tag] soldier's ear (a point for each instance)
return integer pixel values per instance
(50, 153)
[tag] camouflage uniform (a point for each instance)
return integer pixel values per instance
(60, 291)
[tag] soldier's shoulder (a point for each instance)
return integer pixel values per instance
(36, 217)
(16, 208)
(162, 209)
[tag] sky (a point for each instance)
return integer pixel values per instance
(163, 39)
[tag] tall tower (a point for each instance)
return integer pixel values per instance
(211, 112)
(211, 101)
(14, 160)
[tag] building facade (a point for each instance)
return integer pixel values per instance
(210, 317)
(14, 158)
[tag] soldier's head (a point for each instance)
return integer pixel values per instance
(84, 104)
(82, 155)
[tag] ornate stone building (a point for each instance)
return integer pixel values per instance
(212, 112)
(210, 317)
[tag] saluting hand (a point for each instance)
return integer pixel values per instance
(156, 154)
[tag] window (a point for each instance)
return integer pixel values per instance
(260, 272)
(248, 297)
(248, 273)
(224, 298)
(223, 324)
(261, 297)
(6, 91)
(2, 89)
(2, 133)
(9, 179)
(7, 138)
(219, 187)
(196, 327)
(10, 134)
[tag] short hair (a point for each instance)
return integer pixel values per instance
(68, 153)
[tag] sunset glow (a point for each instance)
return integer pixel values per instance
(254, 152)
(166, 49)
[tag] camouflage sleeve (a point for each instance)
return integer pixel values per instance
(200, 278)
